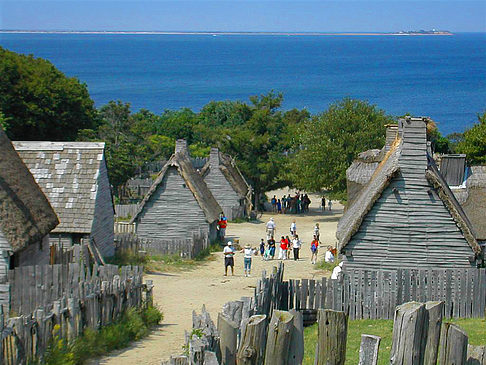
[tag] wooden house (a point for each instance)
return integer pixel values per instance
(26, 217)
(74, 178)
(227, 184)
(406, 215)
(178, 203)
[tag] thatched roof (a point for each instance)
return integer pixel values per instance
(231, 172)
(67, 173)
(351, 220)
(381, 178)
(25, 213)
(194, 182)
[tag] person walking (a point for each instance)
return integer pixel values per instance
(323, 204)
(262, 248)
(274, 204)
(271, 228)
(289, 246)
(282, 255)
(222, 224)
(279, 207)
(229, 252)
(330, 204)
(314, 248)
(248, 254)
(271, 247)
(317, 231)
(293, 228)
(296, 243)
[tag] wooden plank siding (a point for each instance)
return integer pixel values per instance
(409, 226)
(172, 211)
(223, 192)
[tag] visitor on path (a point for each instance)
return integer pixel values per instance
(279, 207)
(314, 248)
(248, 254)
(296, 243)
(337, 271)
(317, 231)
(222, 224)
(229, 252)
(329, 257)
(293, 228)
(282, 255)
(271, 246)
(274, 204)
(289, 246)
(330, 204)
(262, 248)
(271, 228)
(323, 204)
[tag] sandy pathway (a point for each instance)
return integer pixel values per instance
(178, 294)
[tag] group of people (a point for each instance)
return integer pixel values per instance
(293, 205)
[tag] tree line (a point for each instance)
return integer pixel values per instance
(272, 147)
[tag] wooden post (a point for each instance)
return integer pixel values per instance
(434, 315)
(368, 350)
(252, 347)
(476, 355)
(278, 338)
(409, 331)
(331, 341)
(228, 334)
(453, 345)
(296, 351)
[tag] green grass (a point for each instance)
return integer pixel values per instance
(474, 327)
(135, 324)
(323, 265)
(163, 263)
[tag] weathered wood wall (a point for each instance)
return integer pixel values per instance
(103, 219)
(172, 211)
(126, 210)
(222, 190)
(409, 226)
(374, 294)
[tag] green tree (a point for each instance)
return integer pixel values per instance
(330, 142)
(473, 142)
(39, 102)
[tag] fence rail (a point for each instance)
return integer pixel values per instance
(70, 297)
(124, 228)
(373, 294)
(189, 247)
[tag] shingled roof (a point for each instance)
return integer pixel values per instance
(67, 173)
(231, 172)
(25, 214)
(194, 182)
(388, 168)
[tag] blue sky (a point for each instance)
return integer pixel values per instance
(244, 15)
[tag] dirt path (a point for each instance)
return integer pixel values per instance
(178, 294)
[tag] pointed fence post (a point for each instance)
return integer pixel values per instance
(228, 337)
(278, 338)
(409, 331)
(368, 350)
(476, 355)
(331, 341)
(434, 314)
(296, 352)
(453, 345)
(252, 344)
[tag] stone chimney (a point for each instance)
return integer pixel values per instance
(214, 157)
(414, 148)
(181, 146)
(391, 135)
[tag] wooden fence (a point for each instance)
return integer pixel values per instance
(188, 248)
(255, 331)
(64, 300)
(126, 210)
(373, 294)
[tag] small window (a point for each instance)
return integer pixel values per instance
(184, 186)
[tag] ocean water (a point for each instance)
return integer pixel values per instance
(443, 77)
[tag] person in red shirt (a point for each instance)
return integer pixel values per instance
(284, 246)
(314, 248)
(222, 224)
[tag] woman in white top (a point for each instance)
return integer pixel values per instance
(316, 231)
(293, 228)
(296, 243)
(329, 257)
(248, 254)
